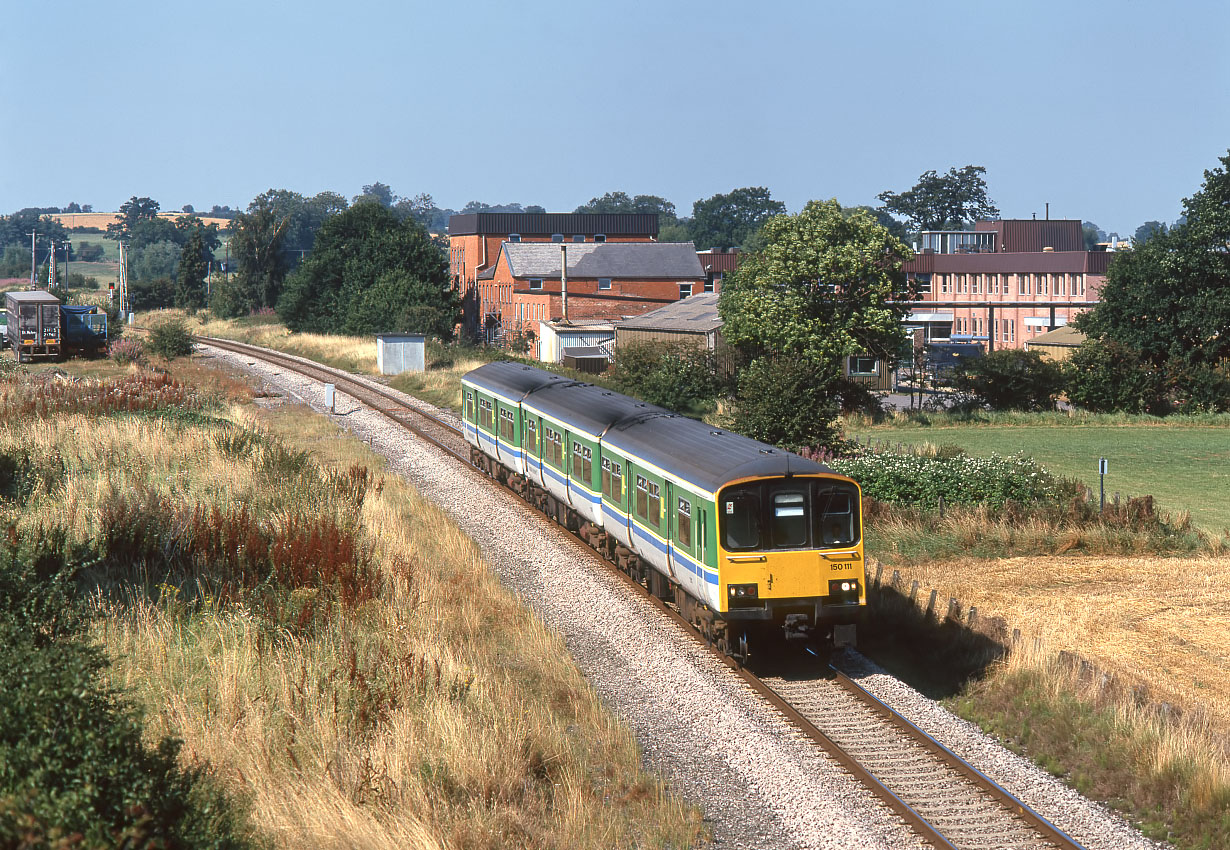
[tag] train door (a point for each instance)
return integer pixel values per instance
(669, 525)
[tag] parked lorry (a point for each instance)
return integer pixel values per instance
(40, 327)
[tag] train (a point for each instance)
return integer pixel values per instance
(748, 540)
(40, 327)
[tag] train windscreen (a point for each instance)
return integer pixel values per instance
(789, 513)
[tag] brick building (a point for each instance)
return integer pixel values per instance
(1004, 282)
(475, 240)
(606, 280)
(717, 263)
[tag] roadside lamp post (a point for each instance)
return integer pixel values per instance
(68, 246)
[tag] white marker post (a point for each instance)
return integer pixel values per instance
(330, 397)
(1102, 481)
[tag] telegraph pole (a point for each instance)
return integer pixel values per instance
(33, 282)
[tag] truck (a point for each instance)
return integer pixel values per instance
(34, 324)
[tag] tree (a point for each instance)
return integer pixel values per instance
(73, 207)
(1010, 379)
(256, 245)
(943, 202)
(726, 221)
(132, 212)
(1169, 299)
(1105, 376)
(1147, 231)
(620, 202)
(676, 376)
(154, 261)
(1093, 235)
(367, 271)
(379, 192)
(823, 288)
(193, 269)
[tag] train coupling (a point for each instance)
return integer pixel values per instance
(797, 627)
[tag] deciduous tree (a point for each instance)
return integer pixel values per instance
(943, 202)
(729, 220)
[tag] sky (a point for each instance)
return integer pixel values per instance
(1109, 112)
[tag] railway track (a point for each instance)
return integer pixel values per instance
(946, 801)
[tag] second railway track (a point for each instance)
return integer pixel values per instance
(945, 801)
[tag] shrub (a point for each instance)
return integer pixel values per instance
(1106, 376)
(90, 252)
(961, 479)
(127, 351)
(170, 339)
(675, 376)
(1010, 379)
(788, 402)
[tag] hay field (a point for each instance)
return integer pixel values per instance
(100, 220)
(1160, 621)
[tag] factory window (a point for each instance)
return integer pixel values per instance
(514, 237)
(599, 237)
(579, 238)
(789, 520)
(535, 283)
(684, 523)
(1012, 330)
(975, 283)
(486, 418)
(557, 237)
(924, 283)
(507, 425)
(1040, 281)
(685, 290)
(604, 283)
(582, 463)
(1022, 284)
(531, 435)
(1078, 284)
(945, 287)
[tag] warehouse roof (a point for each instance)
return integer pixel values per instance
(636, 260)
(695, 314)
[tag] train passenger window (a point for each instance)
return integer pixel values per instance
(531, 435)
(606, 476)
(469, 411)
(740, 512)
(789, 520)
(582, 463)
(617, 481)
(642, 497)
(486, 418)
(684, 523)
(836, 515)
(654, 512)
(507, 426)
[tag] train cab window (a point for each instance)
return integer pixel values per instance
(836, 515)
(683, 523)
(507, 425)
(789, 518)
(486, 417)
(582, 463)
(531, 435)
(741, 519)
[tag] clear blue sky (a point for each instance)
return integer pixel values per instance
(1109, 111)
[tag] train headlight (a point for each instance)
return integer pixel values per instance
(743, 591)
(843, 592)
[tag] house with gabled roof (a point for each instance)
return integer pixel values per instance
(587, 282)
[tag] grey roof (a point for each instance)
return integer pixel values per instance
(695, 452)
(33, 296)
(586, 351)
(696, 314)
(619, 260)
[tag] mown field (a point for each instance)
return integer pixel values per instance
(1186, 467)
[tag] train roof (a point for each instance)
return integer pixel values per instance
(33, 296)
(704, 456)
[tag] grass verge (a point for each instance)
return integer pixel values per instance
(324, 640)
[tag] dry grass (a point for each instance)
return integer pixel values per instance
(1159, 621)
(431, 711)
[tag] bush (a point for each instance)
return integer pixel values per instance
(74, 769)
(154, 294)
(90, 252)
(1010, 379)
(676, 376)
(127, 351)
(904, 479)
(170, 339)
(1106, 376)
(789, 402)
